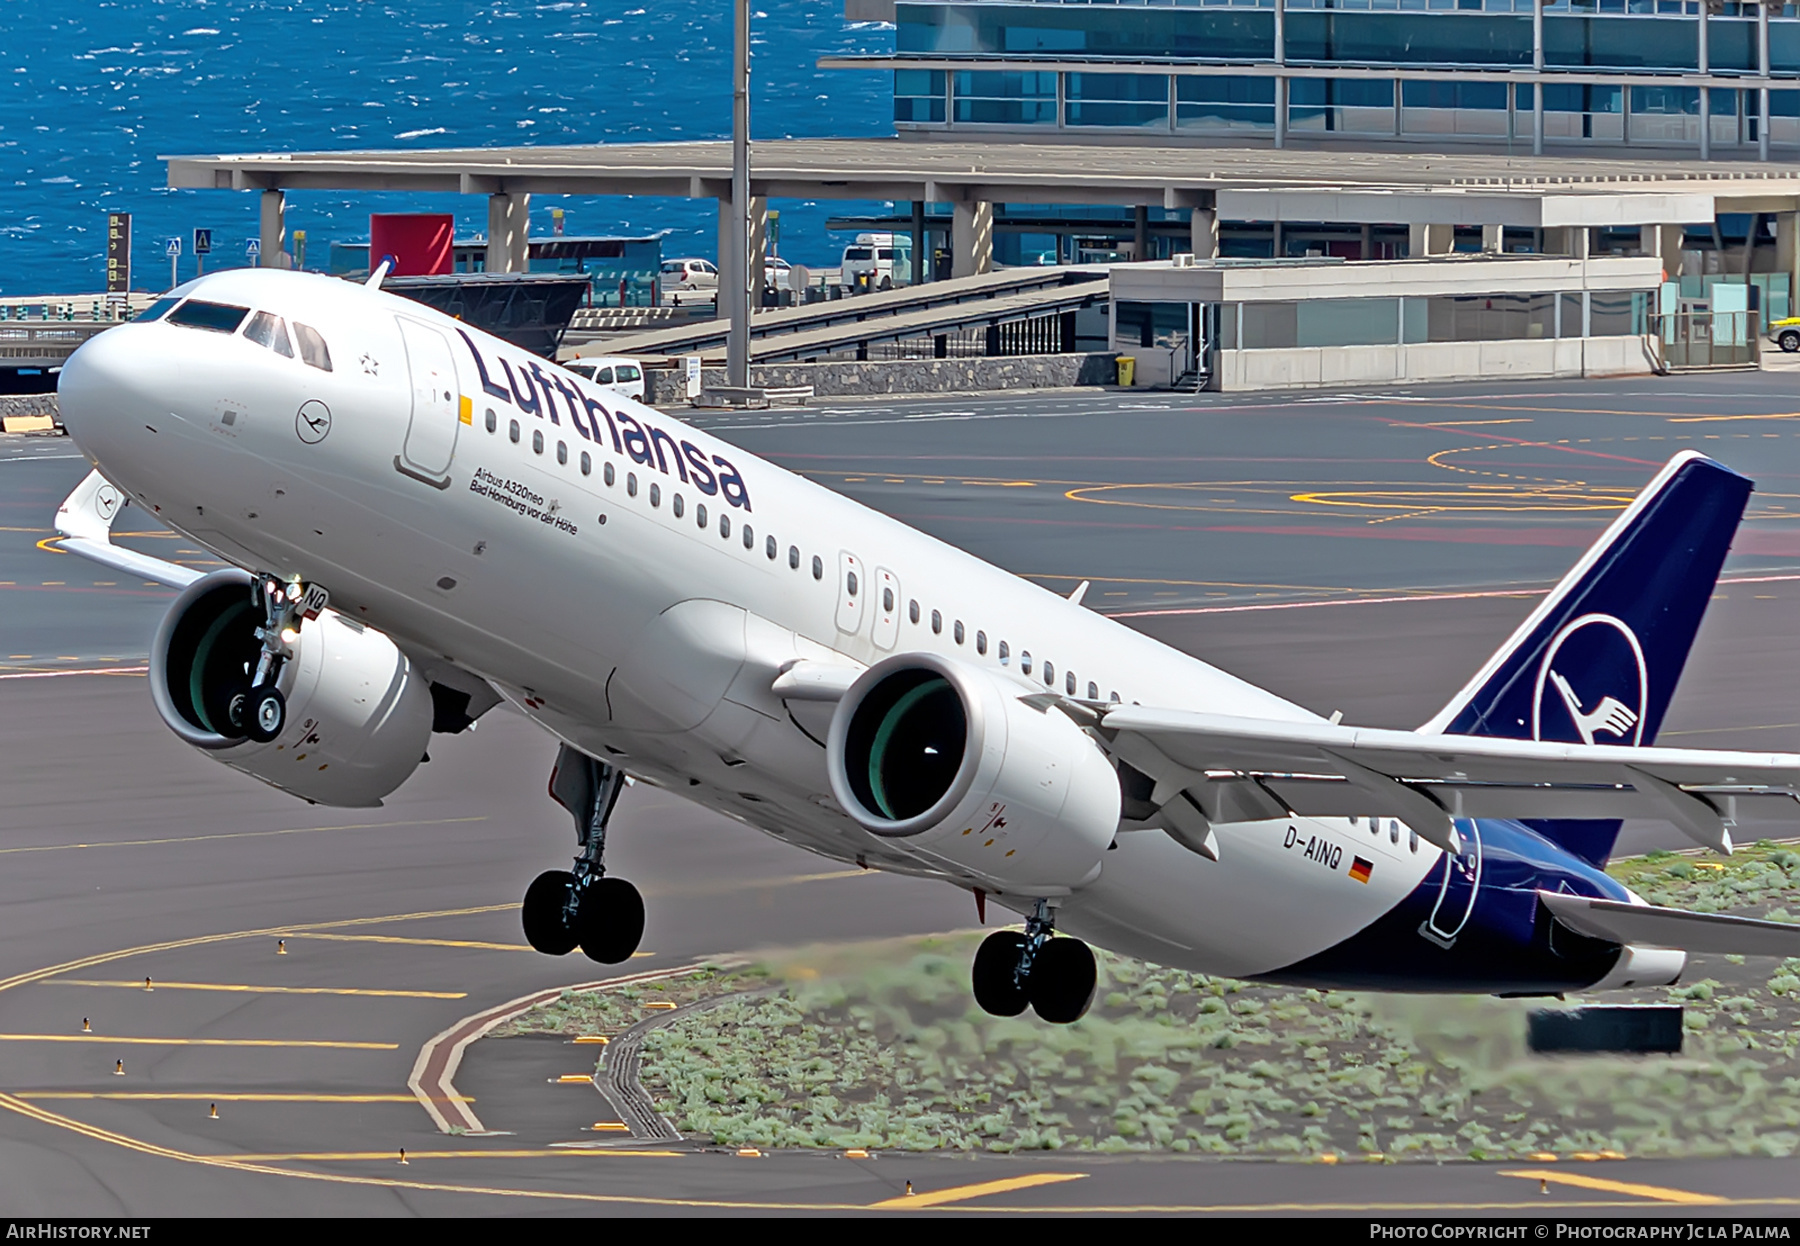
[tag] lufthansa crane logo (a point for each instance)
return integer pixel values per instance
(1593, 682)
(312, 422)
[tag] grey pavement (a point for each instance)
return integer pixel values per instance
(123, 854)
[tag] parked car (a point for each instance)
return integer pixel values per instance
(621, 375)
(885, 258)
(688, 281)
(1786, 333)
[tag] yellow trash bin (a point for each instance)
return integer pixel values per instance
(1127, 370)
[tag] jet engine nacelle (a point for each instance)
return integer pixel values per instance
(946, 760)
(358, 714)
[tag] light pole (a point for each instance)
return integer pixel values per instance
(737, 340)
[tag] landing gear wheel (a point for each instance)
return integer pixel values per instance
(266, 713)
(611, 920)
(237, 714)
(542, 913)
(1062, 980)
(993, 974)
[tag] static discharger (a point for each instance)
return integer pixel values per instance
(119, 1069)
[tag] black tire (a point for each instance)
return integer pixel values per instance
(237, 714)
(542, 913)
(1062, 981)
(1789, 340)
(265, 712)
(992, 974)
(611, 920)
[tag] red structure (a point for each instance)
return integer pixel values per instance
(420, 243)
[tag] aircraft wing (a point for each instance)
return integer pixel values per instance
(1233, 768)
(1646, 924)
(85, 521)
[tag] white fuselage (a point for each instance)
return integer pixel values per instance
(602, 607)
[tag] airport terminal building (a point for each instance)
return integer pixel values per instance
(1506, 75)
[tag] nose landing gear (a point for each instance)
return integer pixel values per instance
(583, 907)
(1056, 976)
(258, 710)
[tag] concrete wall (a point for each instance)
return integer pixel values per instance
(903, 376)
(1310, 366)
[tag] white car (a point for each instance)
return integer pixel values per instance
(621, 375)
(883, 260)
(688, 281)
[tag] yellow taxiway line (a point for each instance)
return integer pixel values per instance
(201, 839)
(194, 1097)
(260, 990)
(960, 1193)
(331, 1157)
(193, 1042)
(1660, 1193)
(463, 943)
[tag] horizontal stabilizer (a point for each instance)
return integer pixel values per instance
(1647, 925)
(85, 521)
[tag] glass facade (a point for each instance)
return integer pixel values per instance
(1084, 64)
(1390, 321)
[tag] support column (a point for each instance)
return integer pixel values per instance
(1281, 83)
(1493, 239)
(1787, 254)
(921, 271)
(972, 238)
(731, 254)
(759, 243)
(1278, 243)
(1537, 88)
(1140, 233)
(1762, 94)
(1566, 240)
(1668, 245)
(272, 230)
(1703, 56)
(509, 233)
(1368, 242)
(1415, 241)
(1423, 240)
(1203, 233)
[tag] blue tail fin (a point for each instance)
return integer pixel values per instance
(1598, 660)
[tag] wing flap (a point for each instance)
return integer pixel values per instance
(1429, 780)
(1649, 925)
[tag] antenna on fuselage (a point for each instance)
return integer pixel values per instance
(379, 275)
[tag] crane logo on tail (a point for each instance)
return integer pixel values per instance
(1592, 685)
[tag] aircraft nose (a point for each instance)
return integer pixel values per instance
(114, 380)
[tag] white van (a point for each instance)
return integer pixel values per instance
(621, 375)
(887, 258)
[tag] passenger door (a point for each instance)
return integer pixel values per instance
(437, 406)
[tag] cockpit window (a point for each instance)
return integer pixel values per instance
(267, 330)
(156, 310)
(312, 347)
(216, 317)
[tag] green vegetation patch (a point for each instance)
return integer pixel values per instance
(611, 1011)
(881, 1045)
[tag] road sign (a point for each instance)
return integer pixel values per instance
(174, 248)
(202, 241)
(253, 249)
(118, 252)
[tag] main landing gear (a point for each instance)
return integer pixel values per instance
(257, 711)
(567, 908)
(1056, 976)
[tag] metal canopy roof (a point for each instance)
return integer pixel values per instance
(942, 171)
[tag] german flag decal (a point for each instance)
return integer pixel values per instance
(1361, 868)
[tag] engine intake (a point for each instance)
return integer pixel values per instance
(359, 715)
(947, 761)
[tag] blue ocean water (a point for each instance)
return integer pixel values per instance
(93, 91)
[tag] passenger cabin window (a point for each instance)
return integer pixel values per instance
(850, 582)
(818, 567)
(213, 317)
(957, 632)
(937, 623)
(537, 441)
(655, 494)
(678, 506)
(912, 611)
(267, 330)
(493, 421)
(631, 485)
(512, 430)
(794, 558)
(981, 642)
(700, 515)
(587, 464)
(1025, 661)
(769, 548)
(1004, 653)
(606, 473)
(724, 524)
(749, 537)
(312, 347)
(1049, 674)
(1093, 691)
(1069, 683)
